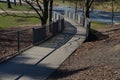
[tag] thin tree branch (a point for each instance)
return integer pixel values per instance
(34, 9)
(39, 6)
(90, 3)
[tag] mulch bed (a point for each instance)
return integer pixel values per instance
(96, 59)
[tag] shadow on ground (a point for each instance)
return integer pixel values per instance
(96, 36)
(23, 66)
(58, 74)
(61, 38)
(34, 71)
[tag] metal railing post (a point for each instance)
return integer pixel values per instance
(18, 40)
(59, 24)
(33, 36)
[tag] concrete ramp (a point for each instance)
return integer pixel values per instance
(38, 62)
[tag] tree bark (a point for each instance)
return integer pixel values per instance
(20, 2)
(87, 12)
(9, 4)
(87, 6)
(15, 2)
(76, 7)
(45, 12)
(42, 12)
(112, 13)
(50, 11)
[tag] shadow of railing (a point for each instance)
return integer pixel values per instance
(33, 71)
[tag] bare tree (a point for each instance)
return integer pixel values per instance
(87, 5)
(43, 10)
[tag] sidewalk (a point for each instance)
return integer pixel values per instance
(10, 11)
(40, 61)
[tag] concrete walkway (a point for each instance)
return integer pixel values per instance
(10, 11)
(40, 61)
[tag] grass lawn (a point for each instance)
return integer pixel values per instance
(60, 2)
(17, 7)
(14, 20)
(96, 25)
(105, 6)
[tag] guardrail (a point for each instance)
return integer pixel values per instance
(12, 43)
(84, 22)
(74, 16)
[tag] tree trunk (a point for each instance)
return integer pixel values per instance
(15, 2)
(87, 12)
(76, 7)
(50, 11)
(63, 1)
(88, 4)
(45, 12)
(112, 13)
(42, 12)
(20, 2)
(9, 4)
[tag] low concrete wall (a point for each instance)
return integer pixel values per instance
(51, 29)
(84, 22)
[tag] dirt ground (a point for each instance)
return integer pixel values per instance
(96, 59)
(9, 43)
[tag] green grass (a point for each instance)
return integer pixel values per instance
(106, 6)
(96, 25)
(66, 3)
(17, 7)
(60, 2)
(14, 20)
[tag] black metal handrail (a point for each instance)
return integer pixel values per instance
(28, 37)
